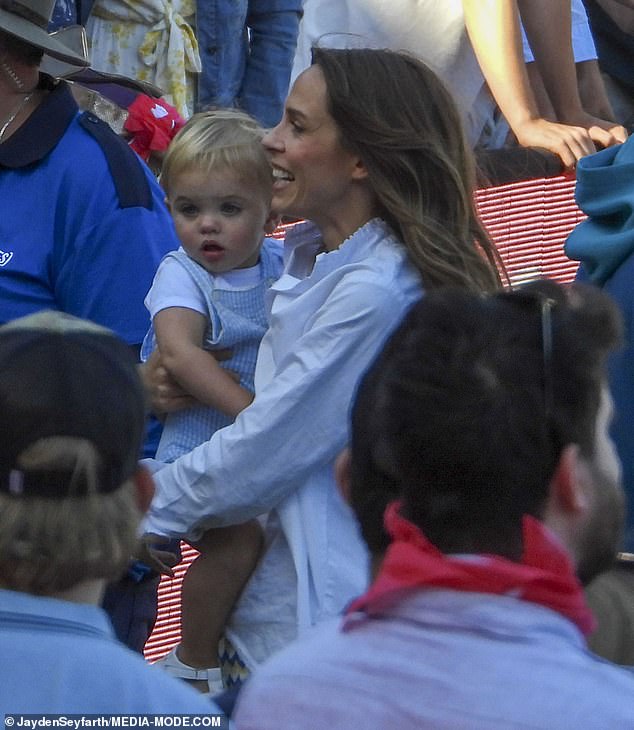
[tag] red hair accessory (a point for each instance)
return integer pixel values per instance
(151, 124)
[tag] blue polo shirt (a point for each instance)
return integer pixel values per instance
(62, 657)
(83, 225)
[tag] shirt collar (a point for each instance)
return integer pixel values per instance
(42, 130)
(303, 243)
(80, 618)
(502, 616)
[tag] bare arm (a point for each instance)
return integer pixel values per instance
(545, 23)
(594, 97)
(179, 334)
(494, 30)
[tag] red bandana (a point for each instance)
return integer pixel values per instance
(545, 575)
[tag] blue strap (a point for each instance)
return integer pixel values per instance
(131, 183)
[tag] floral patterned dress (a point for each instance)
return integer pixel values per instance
(150, 40)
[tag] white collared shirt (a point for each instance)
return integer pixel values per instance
(329, 317)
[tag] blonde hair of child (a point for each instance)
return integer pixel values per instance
(51, 545)
(222, 139)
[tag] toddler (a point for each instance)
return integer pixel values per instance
(209, 295)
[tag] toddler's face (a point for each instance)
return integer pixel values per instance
(220, 218)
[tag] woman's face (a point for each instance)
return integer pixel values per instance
(313, 173)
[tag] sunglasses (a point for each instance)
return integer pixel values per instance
(537, 301)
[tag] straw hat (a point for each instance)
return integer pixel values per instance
(28, 21)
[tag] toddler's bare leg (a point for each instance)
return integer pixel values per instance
(211, 588)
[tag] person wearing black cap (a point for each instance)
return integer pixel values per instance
(71, 497)
(83, 225)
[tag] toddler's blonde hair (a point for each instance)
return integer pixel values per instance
(216, 140)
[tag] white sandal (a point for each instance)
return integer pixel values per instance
(174, 666)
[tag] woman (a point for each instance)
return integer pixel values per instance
(371, 150)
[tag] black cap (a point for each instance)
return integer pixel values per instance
(61, 376)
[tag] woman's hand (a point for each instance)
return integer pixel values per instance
(570, 141)
(603, 133)
(165, 394)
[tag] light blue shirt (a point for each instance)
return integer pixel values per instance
(246, 48)
(62, 657)
(236, 321)
(442, 660)
(329, 315)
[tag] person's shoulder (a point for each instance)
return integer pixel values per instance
(176, 271)
(375, 251)
(132, 180)
(605, 693)
(131, 684)
(311, 674)
(385, 278)
(174, 260)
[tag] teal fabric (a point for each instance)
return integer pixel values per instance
(604, 244)
(605, 193)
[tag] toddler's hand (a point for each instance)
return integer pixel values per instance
(149, 552)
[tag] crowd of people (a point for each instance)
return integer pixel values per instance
(501, 84)
(399, 473)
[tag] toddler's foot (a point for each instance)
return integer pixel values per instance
(207, 681)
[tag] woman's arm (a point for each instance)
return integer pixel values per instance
(179, 334)
(547, 24)
(296, 425)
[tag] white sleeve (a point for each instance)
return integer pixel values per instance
(297, 423)
(174, 287)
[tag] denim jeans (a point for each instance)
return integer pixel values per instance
(247, 49)
(69, 12)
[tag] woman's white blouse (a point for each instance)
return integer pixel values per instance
(329, 317)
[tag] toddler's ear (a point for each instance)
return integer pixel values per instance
(272, 222)
(343, 466)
